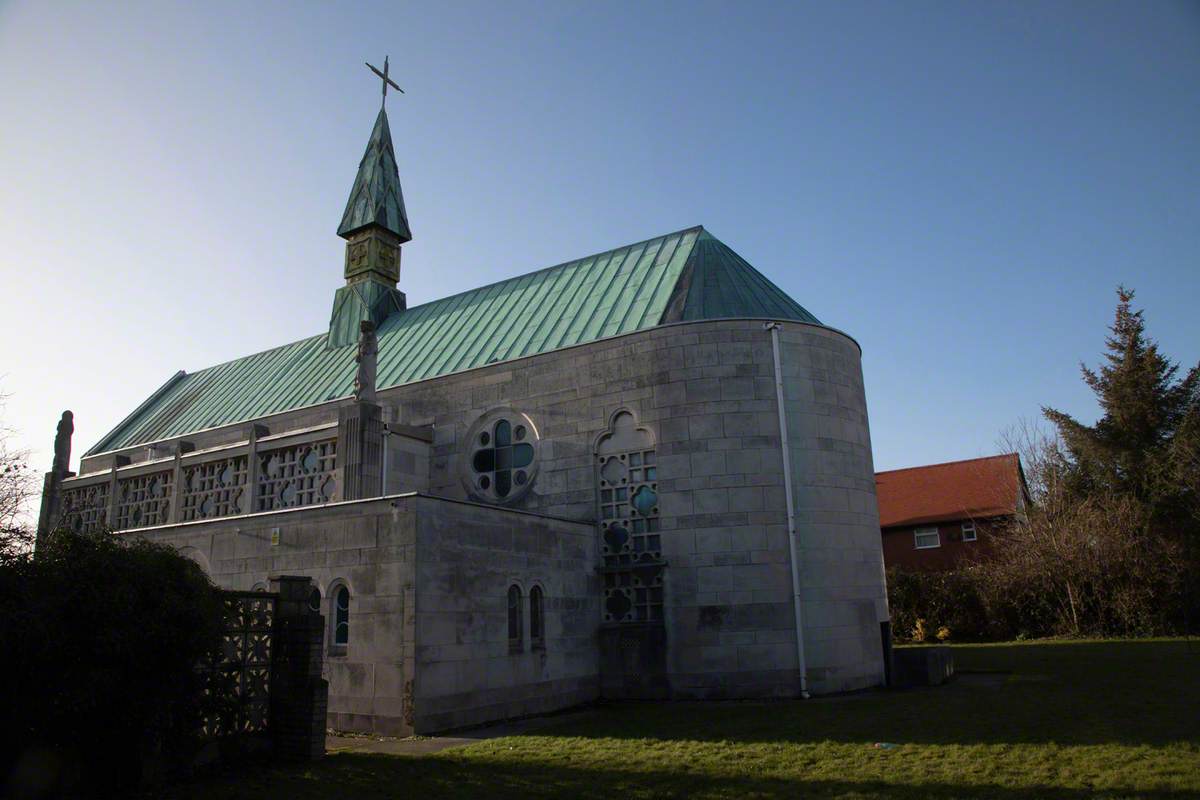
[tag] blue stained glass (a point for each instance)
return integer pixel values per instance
(522, 455)
(644, 500)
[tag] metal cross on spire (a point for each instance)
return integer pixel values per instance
(386, 80)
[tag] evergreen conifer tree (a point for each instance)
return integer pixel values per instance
(1146, 444)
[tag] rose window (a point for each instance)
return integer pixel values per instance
(503, 454)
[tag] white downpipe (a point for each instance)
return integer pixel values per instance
(773, 327)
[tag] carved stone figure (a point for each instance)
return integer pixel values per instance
(52, 485)
(368, 347)
(62, 444)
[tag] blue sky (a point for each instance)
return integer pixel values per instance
(960, 186)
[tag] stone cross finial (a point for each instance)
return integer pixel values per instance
(368, 347)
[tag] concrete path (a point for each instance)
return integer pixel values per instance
(423, 745)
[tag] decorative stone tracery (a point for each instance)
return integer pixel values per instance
(214, 488)
(501, 456)
(85, 509)
(144, 500)
(630, 541)
(301, 475)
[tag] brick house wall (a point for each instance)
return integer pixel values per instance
(900, 550)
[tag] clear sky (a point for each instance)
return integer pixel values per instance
(960, 186)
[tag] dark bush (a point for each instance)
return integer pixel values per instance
(101, 637)
(950, 600)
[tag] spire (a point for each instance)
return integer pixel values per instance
(374, 226)
(376, 198)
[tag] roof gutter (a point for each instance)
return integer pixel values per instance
(773, 327)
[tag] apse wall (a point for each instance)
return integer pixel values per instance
(842, 582)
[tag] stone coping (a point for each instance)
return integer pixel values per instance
(346, 503)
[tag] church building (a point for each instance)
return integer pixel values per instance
(643, 473)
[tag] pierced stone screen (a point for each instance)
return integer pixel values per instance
(630, 540)
(144, 500)
(303, 475)
(85, 509)
(214, 489)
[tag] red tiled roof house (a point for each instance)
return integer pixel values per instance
(937, 516)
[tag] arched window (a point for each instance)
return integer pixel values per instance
(627, 476)
(341, 616)
(537, 619)
(314, 600)
(516, 632)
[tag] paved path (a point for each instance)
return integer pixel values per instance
(419, 746)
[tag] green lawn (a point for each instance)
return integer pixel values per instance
(1067, 720)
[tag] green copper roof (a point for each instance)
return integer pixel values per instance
(376, 198)
(365, 299)
(717, 283)
(687, 275)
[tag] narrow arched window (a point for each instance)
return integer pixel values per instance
(537, 619)
(515, 623)
(341, 608)
(314, 600)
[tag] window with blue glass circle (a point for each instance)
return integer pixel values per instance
(502, 458)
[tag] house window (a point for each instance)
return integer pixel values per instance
(968, 531)
(927, 538)
(515, 623)
(314, 600)
(341, 625)
(537, 619)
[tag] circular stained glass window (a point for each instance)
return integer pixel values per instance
(501, 464)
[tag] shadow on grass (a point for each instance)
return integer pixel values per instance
(1073, 693)
(365, 777)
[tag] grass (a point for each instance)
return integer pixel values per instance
(1047, 720)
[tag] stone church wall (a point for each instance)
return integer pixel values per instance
(467, 671)
(706, 393)
(425, 570)
(367, 546)
(837, 521)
